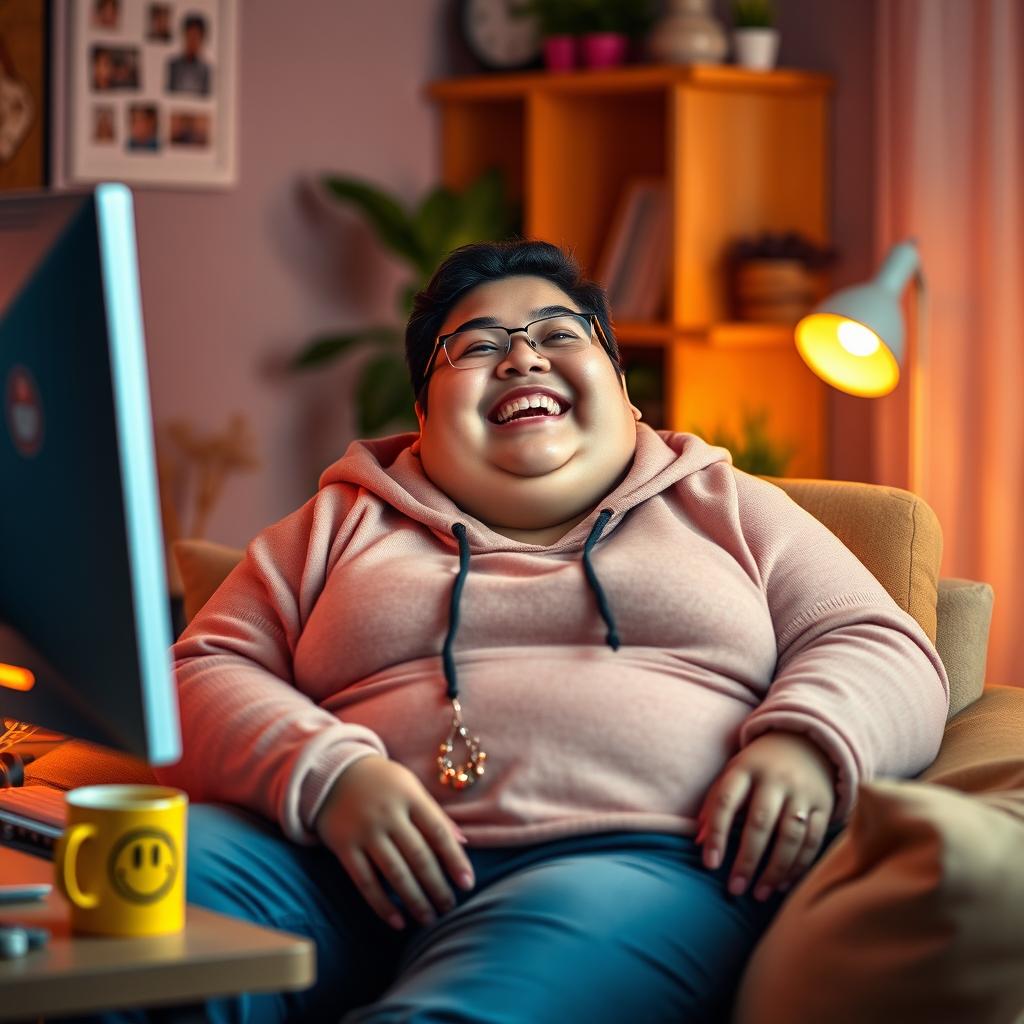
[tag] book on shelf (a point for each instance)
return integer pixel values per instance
(633, 268)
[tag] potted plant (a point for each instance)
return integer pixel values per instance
(755, 37)
(610, 26)
(560, 22)
(753, 451)
(777, 278)
(421, 238)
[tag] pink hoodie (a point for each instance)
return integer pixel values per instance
(737, 610)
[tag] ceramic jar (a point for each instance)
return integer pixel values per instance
(688, 34)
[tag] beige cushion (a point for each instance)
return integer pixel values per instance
(963, 617)
(983, 747)
(893, 532)
(916, 912)
(203, 566)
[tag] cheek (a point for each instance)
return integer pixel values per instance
(452, 418)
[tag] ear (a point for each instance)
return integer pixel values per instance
(637, 414)
(420, 415)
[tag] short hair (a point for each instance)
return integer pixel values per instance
(194, 21)
(471, 265)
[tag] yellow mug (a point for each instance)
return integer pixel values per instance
(121, 860)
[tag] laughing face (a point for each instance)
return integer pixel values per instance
(528, 445)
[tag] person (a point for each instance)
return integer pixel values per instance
(188, 72)
(104, 129)
(159, 27)
(106, 13)
(520, 714)
(142, 128)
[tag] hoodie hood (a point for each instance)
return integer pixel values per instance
(390, 468)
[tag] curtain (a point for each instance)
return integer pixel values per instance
(950, 173)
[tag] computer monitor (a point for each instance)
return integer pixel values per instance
(85, 629)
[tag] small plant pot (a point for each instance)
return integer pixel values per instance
(776, 291)
(604, 49)
(560, 53)
(756, 48)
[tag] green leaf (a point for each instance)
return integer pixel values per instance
(405, 298)
(435, 218)
(392, 223)
(754, 452)
(328, 347)
(384, 394)
(483, 213)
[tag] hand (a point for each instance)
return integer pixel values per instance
(379, 814)
(784, 774)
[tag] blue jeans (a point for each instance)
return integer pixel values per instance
(605, 927)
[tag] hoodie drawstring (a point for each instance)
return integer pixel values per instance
(612, 636)
(459, 530)
(460, 776)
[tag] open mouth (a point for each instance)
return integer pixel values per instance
(526, 404)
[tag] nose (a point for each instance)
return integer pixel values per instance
(522, 358)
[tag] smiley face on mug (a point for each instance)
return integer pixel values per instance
(143, 865)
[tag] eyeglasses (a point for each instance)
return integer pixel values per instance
(552, 336)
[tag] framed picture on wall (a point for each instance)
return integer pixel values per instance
(151, 92)
(23, 101)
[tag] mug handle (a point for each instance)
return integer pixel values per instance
(73, 839)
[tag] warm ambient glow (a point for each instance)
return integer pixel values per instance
(850, 356)
(15, 678)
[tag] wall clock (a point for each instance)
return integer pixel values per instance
(496, 37)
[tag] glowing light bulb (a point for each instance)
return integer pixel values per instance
(857, 339)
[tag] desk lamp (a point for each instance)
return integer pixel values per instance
(854, 340)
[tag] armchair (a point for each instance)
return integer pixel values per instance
(916, 911)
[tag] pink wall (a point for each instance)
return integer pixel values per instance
(236, 280)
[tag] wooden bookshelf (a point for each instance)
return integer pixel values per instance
(742, 151)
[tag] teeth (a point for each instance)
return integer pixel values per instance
(509, 409)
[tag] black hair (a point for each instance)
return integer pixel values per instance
(471, 265)
(194, 21)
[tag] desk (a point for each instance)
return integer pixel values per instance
(214, 955)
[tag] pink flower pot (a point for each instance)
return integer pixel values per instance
(560, 53)
(604, 49)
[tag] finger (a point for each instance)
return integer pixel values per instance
(439, 831)
(817, 826)
(359, 869)
(423, 863)
(729, 793)
(789, 840)
(757, 830)
(391, 864)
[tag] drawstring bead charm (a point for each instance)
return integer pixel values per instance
(460, 776)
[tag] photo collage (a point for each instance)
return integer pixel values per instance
(152, 85)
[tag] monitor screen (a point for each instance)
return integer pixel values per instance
(85, 629)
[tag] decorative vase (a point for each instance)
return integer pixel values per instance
(756, 48)
(560, 53)
(688, 34)
(604, 49)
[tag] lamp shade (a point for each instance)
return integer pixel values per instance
(854, 339)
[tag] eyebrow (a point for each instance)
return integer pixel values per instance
(534, 314)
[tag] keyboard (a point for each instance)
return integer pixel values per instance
(32, 818)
